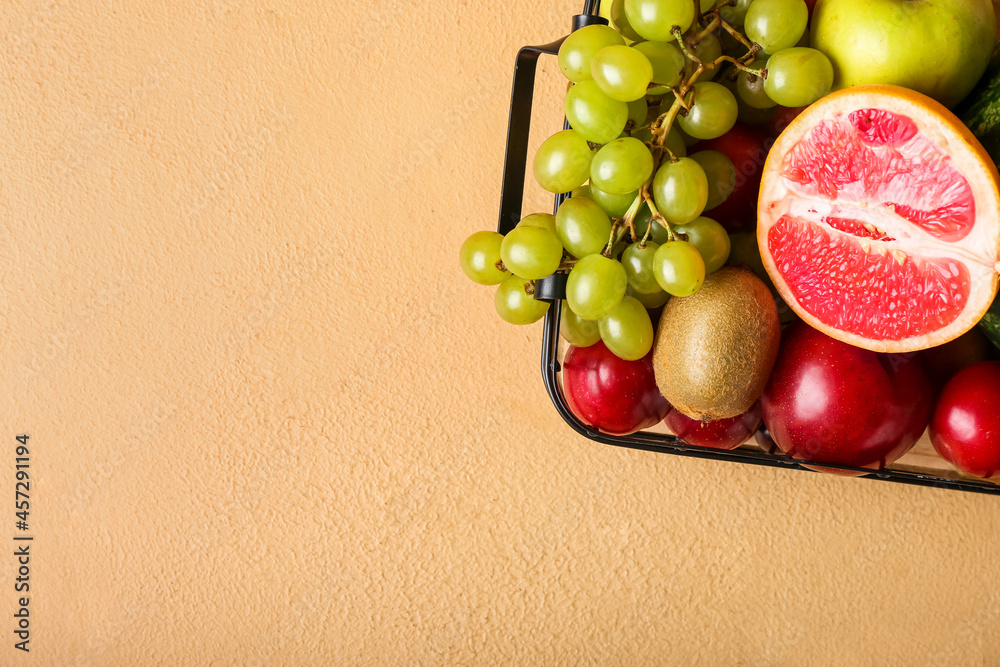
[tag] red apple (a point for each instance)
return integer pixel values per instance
(718, 434)
(616, 396)
(831, 402)
(965, 429)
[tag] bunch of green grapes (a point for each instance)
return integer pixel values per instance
(633, 232)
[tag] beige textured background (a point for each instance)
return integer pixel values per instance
(272, 423)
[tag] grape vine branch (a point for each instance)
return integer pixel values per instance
(683, 93)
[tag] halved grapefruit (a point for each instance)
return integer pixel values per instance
(879, 220)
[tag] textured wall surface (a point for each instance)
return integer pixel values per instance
(272, 423)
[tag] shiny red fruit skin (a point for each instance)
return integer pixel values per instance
(616, 396)
(965, 429)
(718, 434)
(831, 402)
(781, 118)
(746, 148)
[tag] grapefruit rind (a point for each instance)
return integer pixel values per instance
(878, 234)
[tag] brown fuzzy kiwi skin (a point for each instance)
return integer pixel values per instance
(714, 350)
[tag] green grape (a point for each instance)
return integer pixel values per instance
(628, 331)
(685, 137)
(622, 72)
(515, 305)
(595, 286)
(582, 191)
(679, 268)
(642, 219)
(713, 112)
(751, 92)
(721, 175)
(675, 142)
(776, 24)
(750, 116)
(479, 256)
(707, 5)
(583, 227)
(746, 113)
(680, 190)
(798, 76)
(710, 239)
(605, 11)
(580, 48)
(650, 301)
(638, 263)
(575, 330)
(637, 111)
(731, 46)
(736, 14)
(620, 21)
(543, 220)
(644, 135)
(653, 19)
(621, 166)
(531, 252)
(667, 61)
(616, 206)
(594, 115)
(708, 50)
(562, 162)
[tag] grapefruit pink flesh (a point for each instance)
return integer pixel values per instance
(904, 171)
(880, 223)
(866, 292)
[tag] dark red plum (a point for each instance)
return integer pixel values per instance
(830, 402)
(616, 396)
(965, 429)
(717, 434)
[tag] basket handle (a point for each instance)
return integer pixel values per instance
(518, 129)
(519, 124)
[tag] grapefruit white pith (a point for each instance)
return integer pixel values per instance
(879, 220)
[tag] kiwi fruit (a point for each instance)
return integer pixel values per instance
(714, 350)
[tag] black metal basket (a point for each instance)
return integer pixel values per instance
(553, 290)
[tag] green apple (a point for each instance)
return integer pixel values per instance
(938, 47)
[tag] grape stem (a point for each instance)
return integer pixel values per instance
(645, 197)
(611, 241)
(633, 210)
(752, 47)
(622, 232)
(758, 72)
(658, 217)
(683, 99)
(567, 262)
(709, 29)
(685, 105)
(676, 32)
(663, 129)
(684, 94)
